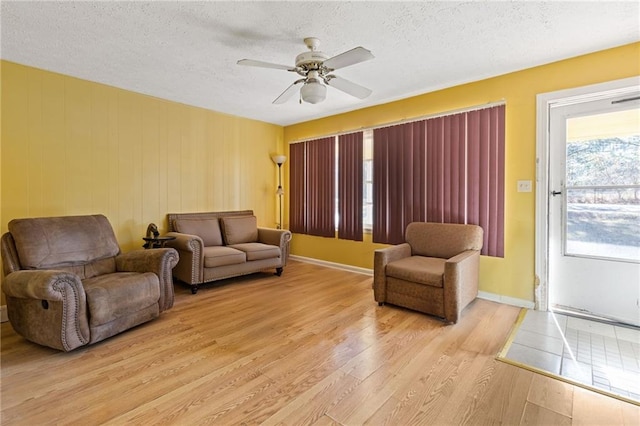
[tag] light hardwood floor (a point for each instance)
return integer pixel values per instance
(310, 347)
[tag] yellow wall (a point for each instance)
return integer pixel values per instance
(70, 146)
(513, 275)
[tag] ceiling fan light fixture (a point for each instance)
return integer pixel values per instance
(313, 92)
(315, 68)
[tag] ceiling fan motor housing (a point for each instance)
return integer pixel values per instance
(311, 60)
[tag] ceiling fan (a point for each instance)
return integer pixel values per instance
(316, 68)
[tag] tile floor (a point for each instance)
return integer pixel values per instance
(597, 354)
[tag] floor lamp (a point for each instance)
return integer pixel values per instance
(279, 160)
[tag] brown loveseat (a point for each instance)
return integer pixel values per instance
(435, 271)
(218, 245)
(68, 285)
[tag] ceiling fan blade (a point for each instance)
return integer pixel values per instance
(286, 95)
(348, 87)
(350, 57)
(253, 63)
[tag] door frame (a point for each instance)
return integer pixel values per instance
(544, 101)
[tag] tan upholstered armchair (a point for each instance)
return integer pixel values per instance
(68, 285)
(435, 271)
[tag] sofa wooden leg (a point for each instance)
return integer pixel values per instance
(194, 289)
(380, 303)
(278, 271)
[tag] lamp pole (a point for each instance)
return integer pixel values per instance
(279, 160)
(280, 191)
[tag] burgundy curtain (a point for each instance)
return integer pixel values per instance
(485, 200)
(399, 180)
(298, 190)
(446, 169)
(350, 182)
(320, 178)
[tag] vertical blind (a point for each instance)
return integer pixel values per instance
(447, 169)
(297, 198)
(399, 180)
(312, 187)
(350, 186)
(485, 140)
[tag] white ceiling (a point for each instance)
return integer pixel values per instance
(187, 51)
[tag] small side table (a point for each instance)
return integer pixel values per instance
(156, 242)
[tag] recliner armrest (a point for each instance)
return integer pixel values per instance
(48, 307)
(41, 284)
(159, 261)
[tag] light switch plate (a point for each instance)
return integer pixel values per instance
(524, 186)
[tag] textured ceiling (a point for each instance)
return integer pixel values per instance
(187, 51)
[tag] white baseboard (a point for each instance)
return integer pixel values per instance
(481, 294)
(506, 300)
(334, 265)
(3, 313)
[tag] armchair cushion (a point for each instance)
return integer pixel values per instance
(240, 229)
(113, 296)
(46, 243)
(207, 229)
(418, 269)
(442, 240)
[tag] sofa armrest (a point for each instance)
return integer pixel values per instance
(460, 282)
(276, 237)
(48, 307)
(159, 261)
(381, 257)
(184, 242)
(190, 267)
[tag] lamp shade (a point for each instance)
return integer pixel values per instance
(279, 159)
(313, 92)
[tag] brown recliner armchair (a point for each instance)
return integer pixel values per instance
(68, 285)
(435, 271)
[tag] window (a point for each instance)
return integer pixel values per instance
(447, 169)
(367, 180)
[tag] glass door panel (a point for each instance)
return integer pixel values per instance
(603, 185)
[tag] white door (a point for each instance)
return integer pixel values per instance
(594, 208)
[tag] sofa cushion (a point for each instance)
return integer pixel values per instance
(239, 229)
(418, 269)
(221, 256)
(117, 295)
(47, 242)
(207, 229)
(258, 251)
